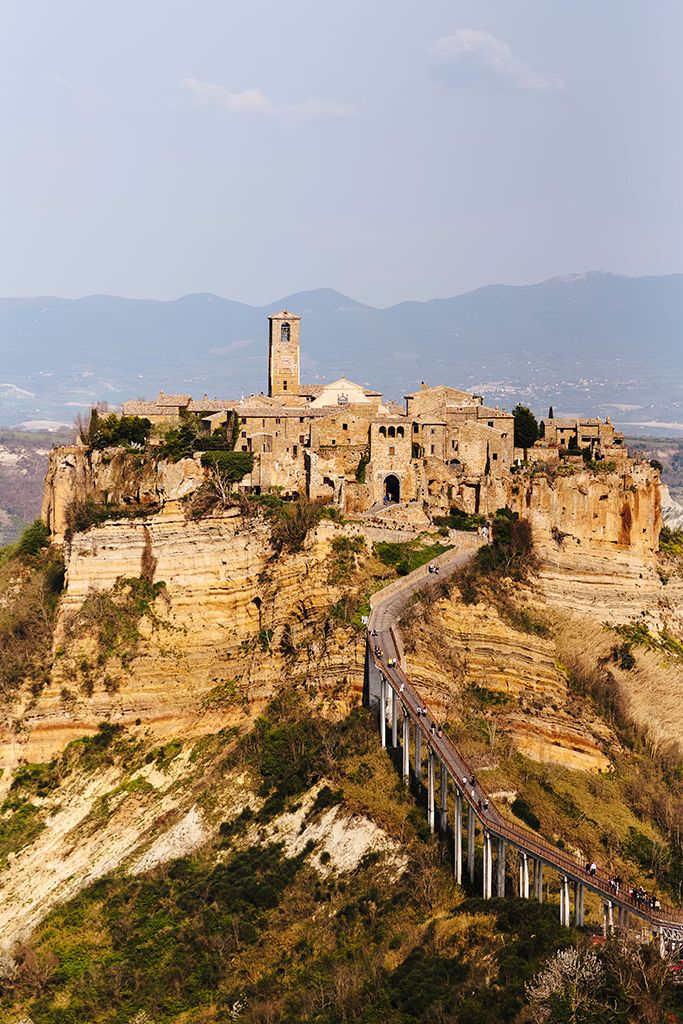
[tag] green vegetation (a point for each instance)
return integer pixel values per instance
(118, 431)
(81, 514)
(404, 557)
(112, 617)
(526, 427)
(459, 520)
(30, 584)
(522, 810)
(233, 466)
(638, 634)
(34, 538)
(671, 543)
(602, 466)
(362, 466)
(508, 556)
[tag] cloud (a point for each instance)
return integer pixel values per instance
(470, 55)
(254, 101)
(212, 94)
(312, 109)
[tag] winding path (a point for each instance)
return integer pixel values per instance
(390, 689)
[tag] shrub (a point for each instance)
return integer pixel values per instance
(526, 427)
(407, 556)
(233, 466)
(459, 520)
(522, 810)
(362, 466)
(34, 538)
(292, 523)
(116, 431)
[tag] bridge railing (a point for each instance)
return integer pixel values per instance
(494, 822)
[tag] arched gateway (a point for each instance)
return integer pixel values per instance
(392, 488)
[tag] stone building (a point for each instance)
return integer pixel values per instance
(342, 442)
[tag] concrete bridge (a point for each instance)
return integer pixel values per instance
(424, 755)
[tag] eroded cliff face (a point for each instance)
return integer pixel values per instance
(596, 537)
(231, 624)
(118, 477)
(510, 678)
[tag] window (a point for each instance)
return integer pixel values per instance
(284, 332)
(264, 448)
(432, 452)
(302, 439)
(301, 419)
(433, 431)
(490, 423)
(383, 431)
(295, 450)
(399, 432)
(495, 456)
(244, 433)
(345, 426)
(392, 450)
(284, 385)
(452, 446)
(415, 428)
(277, 419)
(334, 440)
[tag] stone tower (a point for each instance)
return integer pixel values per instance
(283, 354)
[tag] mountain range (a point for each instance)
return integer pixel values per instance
(588, 342)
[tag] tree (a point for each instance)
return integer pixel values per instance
(526, 427)
(551, 414)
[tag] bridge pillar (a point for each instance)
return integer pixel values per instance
(538, 880)
(471, 826)
(488, 865)
(578, 905)
(564, 902)
(383, 710)
(406, 747)
(523, 875)
(444, 798)
(418, 753)
(430, 788)
(500, 866)
(372, 682)
(607, 918)
(457, 834)
(394, 717)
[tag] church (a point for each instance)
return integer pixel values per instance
(343, 442)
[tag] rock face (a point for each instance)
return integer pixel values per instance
(479, 655)
(596, 536)
(600, 513)
(121, 478)
(232, 622)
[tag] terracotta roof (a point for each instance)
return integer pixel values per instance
(181, 400)
(284, 314)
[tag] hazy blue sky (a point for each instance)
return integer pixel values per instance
(389, 148)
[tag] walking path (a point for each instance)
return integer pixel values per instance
(392, 689)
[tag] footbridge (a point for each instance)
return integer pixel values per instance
(429, 758)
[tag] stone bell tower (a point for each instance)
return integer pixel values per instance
(283, 354)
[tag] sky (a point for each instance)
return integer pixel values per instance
(392, 149)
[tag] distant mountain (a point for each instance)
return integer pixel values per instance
(579, 341)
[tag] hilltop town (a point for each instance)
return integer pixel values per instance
(343, 442)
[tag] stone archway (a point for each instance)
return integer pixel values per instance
(392, 488)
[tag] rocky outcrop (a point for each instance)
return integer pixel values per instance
(232, 623)
(511, 676)
(113, 476)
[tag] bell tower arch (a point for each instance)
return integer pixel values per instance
(283, 353)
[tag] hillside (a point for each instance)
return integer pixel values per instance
(199, 823)
(595, 342)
